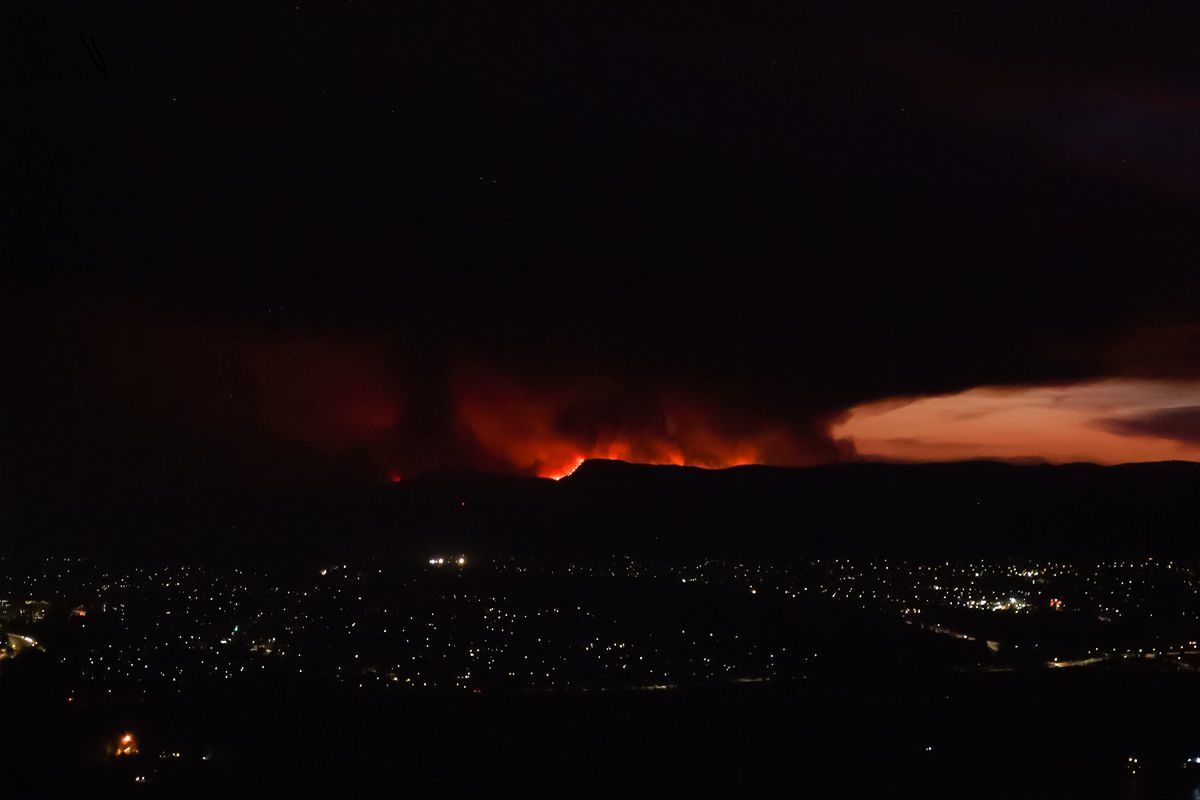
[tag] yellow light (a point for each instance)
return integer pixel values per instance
(126, 746)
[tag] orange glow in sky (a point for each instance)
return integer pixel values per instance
(530, 430)
(561, 475)
(1054, 423)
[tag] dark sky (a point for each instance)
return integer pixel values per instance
(281, 242)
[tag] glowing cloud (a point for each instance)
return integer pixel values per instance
(1108, 422)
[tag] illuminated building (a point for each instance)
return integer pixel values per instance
(126, 745)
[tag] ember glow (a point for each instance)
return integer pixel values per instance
(578, 463)
(303, 405)
(550, 432)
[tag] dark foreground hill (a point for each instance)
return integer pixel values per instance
(607, 507)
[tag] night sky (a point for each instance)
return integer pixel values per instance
(282, 244)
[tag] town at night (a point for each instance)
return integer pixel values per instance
(594, 400)
(174, 676)
(105, 650)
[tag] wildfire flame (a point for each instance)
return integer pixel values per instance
(549, 433)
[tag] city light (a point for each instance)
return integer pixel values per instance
(441, 561)
(126, 745)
